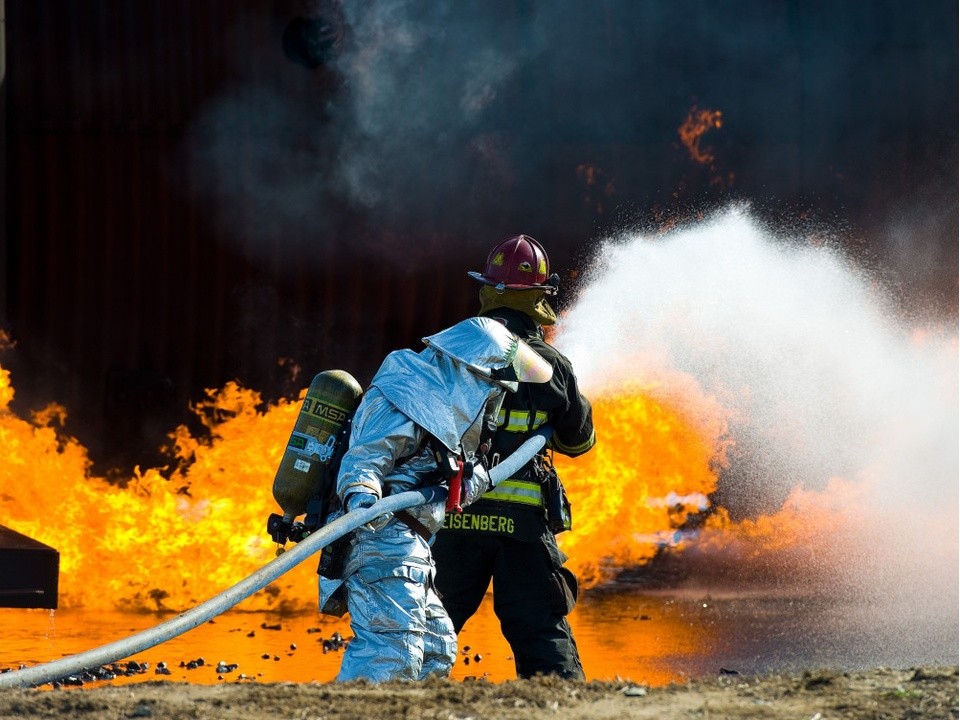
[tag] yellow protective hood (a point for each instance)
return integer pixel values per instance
(530, 302)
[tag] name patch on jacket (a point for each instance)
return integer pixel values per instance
(484, 522)
(487, 517)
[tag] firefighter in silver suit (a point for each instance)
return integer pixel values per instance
(442, 399)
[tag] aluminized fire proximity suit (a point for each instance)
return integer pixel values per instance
(401, 630)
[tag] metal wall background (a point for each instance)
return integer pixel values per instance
(123, 295)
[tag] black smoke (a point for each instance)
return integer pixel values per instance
(474, 120)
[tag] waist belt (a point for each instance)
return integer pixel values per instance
(523, 492)
(411, 522)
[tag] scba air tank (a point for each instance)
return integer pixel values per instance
(332, 396)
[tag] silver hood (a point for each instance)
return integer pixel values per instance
(445, 387)
(488, 348)
(439, 395)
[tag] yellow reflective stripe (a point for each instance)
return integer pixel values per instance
(574, 449)
(519, 420)
(518, 491)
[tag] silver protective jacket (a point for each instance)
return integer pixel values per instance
(411, 396)
(401, 630)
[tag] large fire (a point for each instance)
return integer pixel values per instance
(170, 537)
(655, 463)
(167, 538)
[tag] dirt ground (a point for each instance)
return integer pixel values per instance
(928, 692)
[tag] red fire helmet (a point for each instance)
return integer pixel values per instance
(517, 263)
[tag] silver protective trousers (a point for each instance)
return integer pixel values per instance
(401, 630)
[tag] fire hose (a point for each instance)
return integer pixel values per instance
(125, 647)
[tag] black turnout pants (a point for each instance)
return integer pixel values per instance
(532, 594)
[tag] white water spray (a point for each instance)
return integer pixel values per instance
(823, 382)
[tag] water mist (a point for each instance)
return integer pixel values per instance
(840, 409)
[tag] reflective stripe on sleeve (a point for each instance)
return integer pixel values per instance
(517, 491)
(574, 449)
(519, 420)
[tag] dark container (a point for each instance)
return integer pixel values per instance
(29, 571)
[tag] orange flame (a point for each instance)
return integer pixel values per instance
(655, 462)
(809, 539)
(153, 542)
(693, 129)
(168, 538)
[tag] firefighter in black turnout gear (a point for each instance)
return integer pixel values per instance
(507, 536)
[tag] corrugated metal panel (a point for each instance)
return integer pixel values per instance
(127, 296)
